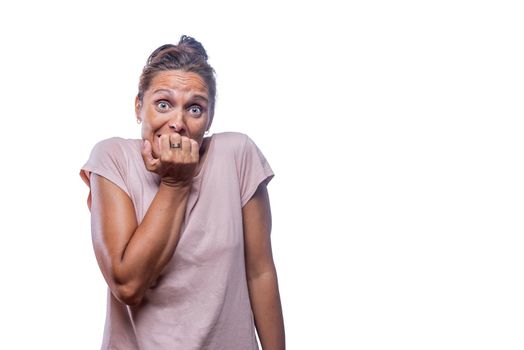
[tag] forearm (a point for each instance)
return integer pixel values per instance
(267, 310)
(154, 241)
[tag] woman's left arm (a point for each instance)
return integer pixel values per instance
(261, 272)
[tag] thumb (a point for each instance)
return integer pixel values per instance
(147, 155)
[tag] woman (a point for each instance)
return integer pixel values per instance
(181, 222)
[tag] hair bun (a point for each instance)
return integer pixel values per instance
(193, 46)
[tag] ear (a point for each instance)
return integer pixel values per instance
(138, 105)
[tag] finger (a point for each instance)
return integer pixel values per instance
(186, 145)
(147, 155)
(195, 151)
(174, 142)
(165, 150)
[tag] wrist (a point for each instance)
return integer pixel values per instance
(177, 185)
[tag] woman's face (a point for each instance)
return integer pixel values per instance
(178, 98)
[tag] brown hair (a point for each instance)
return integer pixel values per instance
(189, 56)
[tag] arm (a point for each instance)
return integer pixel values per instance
(132, 256)
(261, 272)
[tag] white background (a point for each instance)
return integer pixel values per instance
(395, 129)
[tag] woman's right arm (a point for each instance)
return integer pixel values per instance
(132, 256)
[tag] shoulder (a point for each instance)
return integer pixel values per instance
(231, 138)
(116, 146)
(235, 142)
(239, 145)
(114, 151)
(117, 143)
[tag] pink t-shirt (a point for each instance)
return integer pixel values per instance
(200, 300)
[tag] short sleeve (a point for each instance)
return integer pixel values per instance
(107, 159)
(254, 170)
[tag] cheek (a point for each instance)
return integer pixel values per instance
(199, 125)
(151, 123)
(197, 134)
(147, 130)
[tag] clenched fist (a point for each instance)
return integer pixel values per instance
(177, 160)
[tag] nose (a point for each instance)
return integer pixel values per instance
(177, 124)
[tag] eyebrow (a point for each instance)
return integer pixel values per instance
(195, 97)
(163, 90)
(199, 97)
